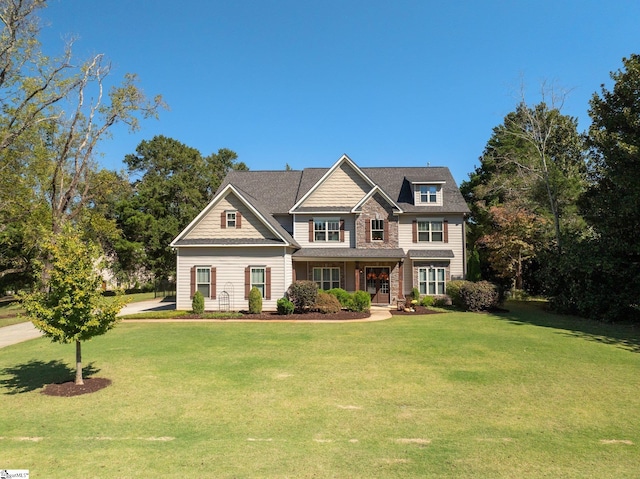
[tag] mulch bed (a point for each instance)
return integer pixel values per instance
(341, 316)
(70, 388)
(418, 310)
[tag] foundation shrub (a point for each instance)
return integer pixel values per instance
(345, 298)
(327, 303)
(361, 301)
(303, 294)
(197, 303)
(415, 294)
(284, 306)
(255, 301)
(427, 301)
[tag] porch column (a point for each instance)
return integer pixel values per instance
(400, 279)
(357, 276)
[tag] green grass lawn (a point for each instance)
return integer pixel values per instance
(523, 394)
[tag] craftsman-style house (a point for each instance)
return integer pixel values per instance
(381, 230)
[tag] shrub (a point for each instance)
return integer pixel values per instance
(255, 301)
(303, 294)
(361, 301)
(327, 303)
(415, 294)
(453, 291)
(345, 298)
(441, 302)
(480, 296)
(285, 306)
(427, 301)
(197, 304)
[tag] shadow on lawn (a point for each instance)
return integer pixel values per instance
(625, 336)
(37, 374)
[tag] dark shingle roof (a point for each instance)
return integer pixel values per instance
(278, 191)
(430, 253)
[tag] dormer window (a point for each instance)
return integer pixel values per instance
(230, 219)
(428, 194)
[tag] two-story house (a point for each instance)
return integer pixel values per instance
(381, 230)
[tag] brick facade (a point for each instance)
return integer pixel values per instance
(376, 208)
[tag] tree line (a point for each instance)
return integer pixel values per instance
(54, 112)
(555, 211)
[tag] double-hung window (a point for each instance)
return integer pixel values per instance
(377, 230)
(431, 231)
(431, 280)
(428, 194)
(326, 229)
(258, 279)
(203, 280)
(231, 219)
(327, 278)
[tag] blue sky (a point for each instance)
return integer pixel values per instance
(398, 83)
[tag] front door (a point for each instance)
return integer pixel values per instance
(378, 284)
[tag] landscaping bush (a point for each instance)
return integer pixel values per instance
(361, 301)
(327, 303)
(345, 298)
(415, 294)
(255, 301)
(427, 301)
(453, 291)
(197, 304)
(284, 306)
(480, 296)
(303, 294)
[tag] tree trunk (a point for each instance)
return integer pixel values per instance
(79, 380)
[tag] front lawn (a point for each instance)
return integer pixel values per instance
(457, 395)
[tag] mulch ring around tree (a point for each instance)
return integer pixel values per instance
(418, 310)
(70, 388)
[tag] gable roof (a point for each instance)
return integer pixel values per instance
(278, 192)
(307, 192)
(282, 236)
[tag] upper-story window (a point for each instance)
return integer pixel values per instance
(377, 230)
(428, 194)
(231, 219)
(430, 230)
(326, 229)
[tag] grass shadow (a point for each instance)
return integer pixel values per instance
(622, 335)
(36, 374)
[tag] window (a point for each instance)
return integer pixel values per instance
(430, 231)
(203, 281)
(428, 194)
(431, 280)
(326, 229)
(377, 230)
(327, 278)
(231, 219)
(259, 279)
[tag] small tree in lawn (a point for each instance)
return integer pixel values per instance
(69, 307)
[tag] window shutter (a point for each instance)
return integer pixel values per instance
(212, 285)
(415, 231)
(267, 293)
(193, 281)
(310, 230)
(386, 231)
(247, 282)
(342, 231)
(238, 220)
(367, 231)
(223, 220)
(445, 231)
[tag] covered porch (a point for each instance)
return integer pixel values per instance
(376, 271)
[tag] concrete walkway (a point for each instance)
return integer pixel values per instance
(17, 333)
